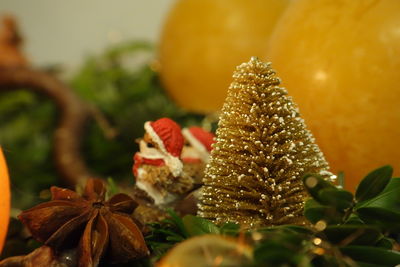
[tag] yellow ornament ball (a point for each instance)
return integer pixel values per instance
(4, 199)
(340, 60)
(203, 40)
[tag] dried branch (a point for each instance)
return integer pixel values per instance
(73, 115)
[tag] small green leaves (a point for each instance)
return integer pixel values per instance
(361, 230)
(280, 246)
(341, 199)
(315, 212)
(315, 183)
(177, 221)
(273, 253)
(352, 234)
(357, 224)
(353, 219)
(199, 226)
(385, 242)
(340, 179)
(229, 228)
(386, 219)
(329, 203)
(374, 183)
(112, 187)
(384, 209)
(389, 198)
(372, 255)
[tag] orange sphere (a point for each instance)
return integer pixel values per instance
(204, 40)
(340, 60)
(4, 199)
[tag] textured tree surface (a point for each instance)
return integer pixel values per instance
(262, 151)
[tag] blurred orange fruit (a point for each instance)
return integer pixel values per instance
(340, 60)
(203, 40)
(4, 199)
(208, 250)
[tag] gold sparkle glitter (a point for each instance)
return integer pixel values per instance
(320, 225)
(311, 182)
(262, 150)
(317, 241)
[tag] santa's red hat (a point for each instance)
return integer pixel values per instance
(168, 136)
(200, 139)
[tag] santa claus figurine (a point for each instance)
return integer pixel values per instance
(158, 168)
(196, 151)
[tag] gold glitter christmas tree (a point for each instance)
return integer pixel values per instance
(262, 151)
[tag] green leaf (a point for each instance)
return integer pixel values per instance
(372, 255)
(315, 212)
(363, 264)
(273, 253)
(283, 234)
(178, 222)
(175, 238)
(388, 199)
(327, 260)
(384, 218)
(354, 220)
(199, 226)
(341, 179)
(229, 228)
(352, 234)
(374, 183)
(385, 242)
(112, 187)
(295, 229)
(314, 183)
(341, 199)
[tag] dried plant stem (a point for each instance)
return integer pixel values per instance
(72, 118)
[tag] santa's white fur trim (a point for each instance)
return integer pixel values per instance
(205, 155)
(149, 129)
(174, 164)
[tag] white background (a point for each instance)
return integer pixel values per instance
(65, 31)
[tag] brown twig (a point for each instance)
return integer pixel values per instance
(105, 126)
(73, 115)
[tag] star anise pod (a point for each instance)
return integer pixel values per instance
(102, 228)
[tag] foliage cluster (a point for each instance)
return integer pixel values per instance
(343, 230)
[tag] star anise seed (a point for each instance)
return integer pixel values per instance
(96, 226)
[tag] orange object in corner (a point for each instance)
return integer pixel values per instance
(340, 62)
(4, 199)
